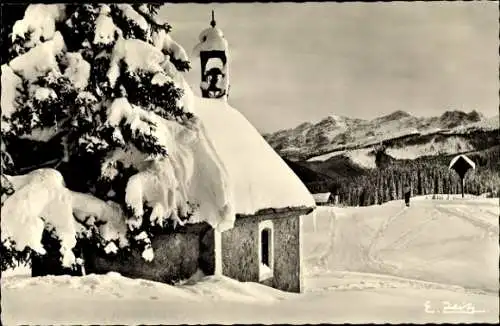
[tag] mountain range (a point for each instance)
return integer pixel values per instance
(405, 135)
(348, 152)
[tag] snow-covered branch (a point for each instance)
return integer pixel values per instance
(39, 22)
(41, 200)
(110, 85)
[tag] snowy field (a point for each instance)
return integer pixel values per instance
(362, 157)
(436, 261)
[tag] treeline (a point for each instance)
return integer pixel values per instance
(425, 176)
(387, 184)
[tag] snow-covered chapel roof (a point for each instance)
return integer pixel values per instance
(211, 39)
(259, 178)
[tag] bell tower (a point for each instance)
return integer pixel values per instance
(214, 54)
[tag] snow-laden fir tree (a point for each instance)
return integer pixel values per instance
(99, 88)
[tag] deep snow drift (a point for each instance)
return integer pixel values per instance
(447, 241)
(217, 163)
(378, 264)
(222, 164)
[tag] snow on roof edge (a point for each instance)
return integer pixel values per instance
(303, 210)
(260, 179)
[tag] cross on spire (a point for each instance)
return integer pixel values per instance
(212, 23)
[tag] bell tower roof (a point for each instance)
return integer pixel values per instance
(212, 38)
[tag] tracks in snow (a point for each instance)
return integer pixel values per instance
(479, 223)
(374, 261)
(331, 240)
(381, 231)
(373, 271)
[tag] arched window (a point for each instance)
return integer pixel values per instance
(266, 248)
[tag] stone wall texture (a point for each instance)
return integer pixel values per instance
(177, 257)
(179, 254)
(240, 251)
(240, 255)
(287, 254)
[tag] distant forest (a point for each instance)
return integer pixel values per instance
(429, 175)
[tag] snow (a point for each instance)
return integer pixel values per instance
(489, 123)
(326, 156)
(211, 39)
(265, 271)
(202, 168)
(93, 143)
(449, 146)
(168, 184)
(41, 201)
(134, 16)
(10, 83)
(40, 21)
(160, 79)
(223, 185)
(448, 273)
(258, 177)
(362, 157)
(138, 120)
(447, 242)
(148, 254)
(142, 236)
(39, 60)
(163, 41)
(137, 54)
(89, 209)
(78, 70)
(44, 93)
(45, 200)
(20, 270)
(214, 63)
(105, 29)
(464, 157)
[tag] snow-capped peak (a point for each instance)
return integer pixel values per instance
(451, 119)
(394, 116)
(335, 119)
(337, 132)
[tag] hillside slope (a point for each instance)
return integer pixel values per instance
(452, 132)
(379, 264)
(358, 185)
(367, 162)
(444, 241)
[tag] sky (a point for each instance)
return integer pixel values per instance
(297, 62)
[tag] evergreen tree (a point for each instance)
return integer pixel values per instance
(86, 84)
